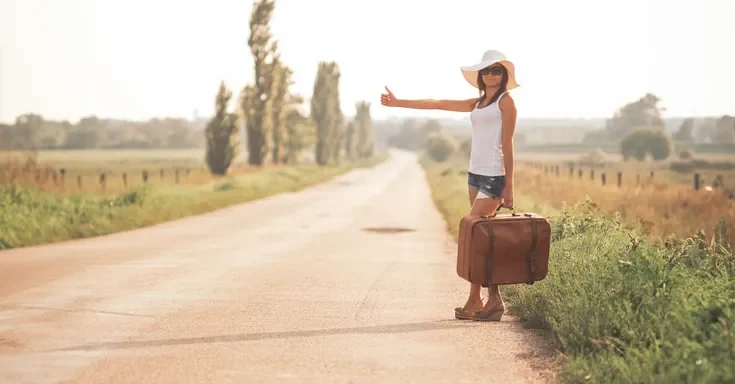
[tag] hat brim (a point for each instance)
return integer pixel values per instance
(470, 72)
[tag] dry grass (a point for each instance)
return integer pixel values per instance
(110, 174)
(611, 164)
(660, 208)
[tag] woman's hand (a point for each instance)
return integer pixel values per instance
(508, 196)
(388, 99)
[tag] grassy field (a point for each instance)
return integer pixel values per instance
(31, 214)
(633, 171)
(618, 305)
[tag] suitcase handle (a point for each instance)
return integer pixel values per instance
(512, 212)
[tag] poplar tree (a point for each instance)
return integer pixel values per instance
(221, 134)
(365, 141)
(255, 97)
(326, 114)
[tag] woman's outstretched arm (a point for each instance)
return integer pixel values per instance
(389, 100)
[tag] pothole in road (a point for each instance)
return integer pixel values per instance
(388, 230)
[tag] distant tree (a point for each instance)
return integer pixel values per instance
(27, 131)
(301, 133)
(365, 137)
(281, 76)
(254, 97)
(724, 131)
(644, 112)
(408, 136)
(440, 146)
(88, 133)
(326, 114)
(221, 135)
(686, 131)
(351, 139)
(644, 141)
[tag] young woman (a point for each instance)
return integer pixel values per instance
(490, 171)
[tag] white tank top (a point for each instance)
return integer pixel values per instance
(486, 153)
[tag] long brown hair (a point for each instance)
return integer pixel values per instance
(481, 85)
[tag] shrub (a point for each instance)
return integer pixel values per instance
(440, 146)
(686, 154)
(641, 142)
(623, 309)
(466, 147)
(594, 158)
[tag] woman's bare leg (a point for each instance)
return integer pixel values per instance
(474, 302)
(487, 206)
(482, 206)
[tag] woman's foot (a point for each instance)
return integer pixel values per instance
(469, 309)
(492, 311)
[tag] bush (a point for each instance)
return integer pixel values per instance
(627, 310)
(641, 142)
(594, 158)
(686, 154)
(466, 147)
(440, 146)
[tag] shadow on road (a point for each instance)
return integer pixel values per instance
(392, 328)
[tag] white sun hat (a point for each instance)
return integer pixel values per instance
(488, 58)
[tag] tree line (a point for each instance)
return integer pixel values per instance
(277, 131)
(273, 121)
(33, 132)
(646, 113)
(639, 128)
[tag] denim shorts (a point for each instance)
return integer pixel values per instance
(490, 185)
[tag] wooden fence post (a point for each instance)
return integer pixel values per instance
(718, 183)
(604, 178)
(697, 177)
(145, 176)
(103, 183)
(620, 179)
(125, 179)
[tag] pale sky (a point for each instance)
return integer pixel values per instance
(138, 59)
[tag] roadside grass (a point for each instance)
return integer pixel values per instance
(30, 216)
(619, 306)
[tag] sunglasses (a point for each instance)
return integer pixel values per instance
(496, 71)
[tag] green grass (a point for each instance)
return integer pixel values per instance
(620, 308)
(30, 217)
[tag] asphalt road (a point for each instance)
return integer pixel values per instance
(307, 287)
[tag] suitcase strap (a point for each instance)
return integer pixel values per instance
(532, 252)
(489, 258)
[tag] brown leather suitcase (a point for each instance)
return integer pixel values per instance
(508, 248)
